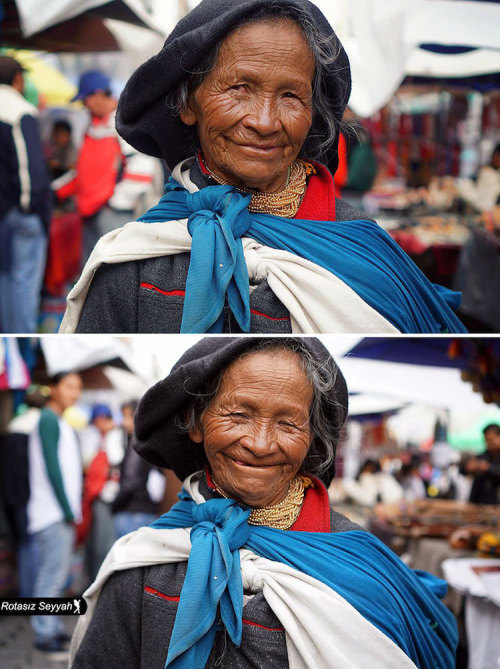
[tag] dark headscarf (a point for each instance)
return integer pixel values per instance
(162, 442)
(143, 118)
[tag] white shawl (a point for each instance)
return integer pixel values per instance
(317, 300)
(322, 629)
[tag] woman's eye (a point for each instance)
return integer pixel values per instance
(238, 414)
(286, 423)
(289, 94)
(237, 87)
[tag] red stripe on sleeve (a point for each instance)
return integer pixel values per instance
(157, 593)
(271, 629)
(150, 286)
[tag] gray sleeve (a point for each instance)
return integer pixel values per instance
(345, 212)
(339, 523)
(111, 305)
(113, 638)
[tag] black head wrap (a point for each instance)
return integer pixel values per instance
(143, 118)
(160, 440)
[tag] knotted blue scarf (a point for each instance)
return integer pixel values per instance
(359, 253)
(401, 603)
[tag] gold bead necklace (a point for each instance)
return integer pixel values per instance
(281, 516)
(285, 202)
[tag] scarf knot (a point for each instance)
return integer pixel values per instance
(222, 206)
(223, 518)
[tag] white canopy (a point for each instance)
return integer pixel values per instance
(79, 353)
(382, 40)
(36, 16)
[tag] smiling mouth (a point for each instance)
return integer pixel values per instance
(256, 147)
(250, 465)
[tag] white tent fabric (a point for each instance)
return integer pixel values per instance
(137, 43)
(429, 386)
(36, 16)
(368, 403)
(78, 353)
(426, 64)
(382, 38)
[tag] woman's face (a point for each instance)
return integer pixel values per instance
(256, 431)
(67, 392)
(253, 111)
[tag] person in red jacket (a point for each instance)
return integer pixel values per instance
(110, 176)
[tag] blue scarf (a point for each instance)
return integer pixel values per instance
(359, 253)
(401, 603)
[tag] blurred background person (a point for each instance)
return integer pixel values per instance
(25, 204)
(110, 176)
(54, 505)
(15, 486)
(102, 446)
(373, 485)
(62, 153)
(141, 485)
(411, 481)
(484, 193)
(485, 469)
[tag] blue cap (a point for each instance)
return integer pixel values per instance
(90, 82)
(99, 410)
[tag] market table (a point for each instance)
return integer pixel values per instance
(478, 579)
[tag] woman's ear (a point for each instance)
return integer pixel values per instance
(188, 114)
(196, 434)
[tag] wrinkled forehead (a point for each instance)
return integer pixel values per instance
(270, 370)
(269, 36)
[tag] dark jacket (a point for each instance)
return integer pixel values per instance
(24, 180)
(138, 608)
(147, 296)
(133, 494)
(486, 486)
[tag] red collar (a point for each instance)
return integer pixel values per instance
(315, 513)
(319, 201)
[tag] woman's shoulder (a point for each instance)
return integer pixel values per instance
(345, 212)
(340, 523)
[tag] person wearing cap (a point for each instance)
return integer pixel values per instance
(245, 104)
(102, 452)
(110, 176)
(253, 568)
(25, 204)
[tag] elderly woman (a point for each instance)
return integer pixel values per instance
(242, 101)
(252, 568)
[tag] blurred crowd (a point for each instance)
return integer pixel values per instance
(77, 490)
(57, 199)
(443, 473)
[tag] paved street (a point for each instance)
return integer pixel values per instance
(16, 644)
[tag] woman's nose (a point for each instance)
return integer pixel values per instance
(263, 116)
(259, 440)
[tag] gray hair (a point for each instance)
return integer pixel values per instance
(325, 428)
(325, 51)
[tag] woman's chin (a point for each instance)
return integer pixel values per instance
(265, 173)
(259, 496)
(265, 181)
